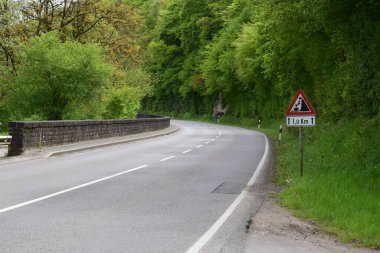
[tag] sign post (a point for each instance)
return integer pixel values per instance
(301, 153)
(300, 114)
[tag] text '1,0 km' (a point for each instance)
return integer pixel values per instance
(300, 112)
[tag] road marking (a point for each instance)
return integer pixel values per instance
(167, 158)
(199, 146)
(207, 142)
(212, 139)
(186, 151)
(218, 136)
(198, 245)
(69, 190)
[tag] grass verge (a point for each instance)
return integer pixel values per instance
(340, 189)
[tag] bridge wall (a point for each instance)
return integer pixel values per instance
(33, 134)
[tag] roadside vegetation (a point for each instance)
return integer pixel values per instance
(252, 56)
(340, 189)
(71, 60)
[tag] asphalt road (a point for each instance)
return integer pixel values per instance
(156, 195)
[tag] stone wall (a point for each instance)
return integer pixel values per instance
(34, 134)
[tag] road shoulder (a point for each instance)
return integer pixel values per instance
(274, 229)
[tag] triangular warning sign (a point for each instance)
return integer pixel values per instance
(300, 106)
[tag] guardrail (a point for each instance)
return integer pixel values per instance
(5, 139)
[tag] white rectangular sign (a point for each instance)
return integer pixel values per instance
(300, 120)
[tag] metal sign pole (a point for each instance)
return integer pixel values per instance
(301, 153)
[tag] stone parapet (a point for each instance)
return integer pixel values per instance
(34, 134)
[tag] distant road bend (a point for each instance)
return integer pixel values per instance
(184, 192)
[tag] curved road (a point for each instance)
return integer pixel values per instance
(156, 195)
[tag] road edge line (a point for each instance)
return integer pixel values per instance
(201, 242)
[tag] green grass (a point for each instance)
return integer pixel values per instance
(340, 187)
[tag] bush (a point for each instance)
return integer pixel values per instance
(122, 103)
(55, 78)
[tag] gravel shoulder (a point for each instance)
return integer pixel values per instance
(275, 229)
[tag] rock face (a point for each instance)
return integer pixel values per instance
(49, 133)
(218, 109)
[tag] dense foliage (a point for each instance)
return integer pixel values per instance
(53, 77)
(252, 56)
(67, 59)
(257, 54)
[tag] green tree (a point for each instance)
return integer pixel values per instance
(256, 54)
(55, 77)
(122, 103)
(8, 39)
(182, 30)
(123, 99)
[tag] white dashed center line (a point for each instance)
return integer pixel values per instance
(167, 158)
(199, 146)
(186, 151)
(207, 142)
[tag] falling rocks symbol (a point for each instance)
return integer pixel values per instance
(300, 106)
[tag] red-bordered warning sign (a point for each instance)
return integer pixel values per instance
(300, 106)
